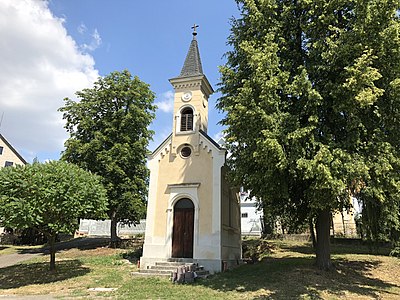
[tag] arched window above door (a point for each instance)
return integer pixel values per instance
(187, 119)
(184, 203)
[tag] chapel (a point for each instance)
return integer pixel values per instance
(193, 214)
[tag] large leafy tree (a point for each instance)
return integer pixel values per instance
(311, 95)
(109, 135)
(50, 198)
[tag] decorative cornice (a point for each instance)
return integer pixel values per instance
(193, 81)
(184, 185)
(187, 85)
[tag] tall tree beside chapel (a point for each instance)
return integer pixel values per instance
(311, 92)
(109, 136)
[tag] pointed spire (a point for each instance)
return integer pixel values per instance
(192, 65)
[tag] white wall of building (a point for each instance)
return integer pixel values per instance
(251, 217)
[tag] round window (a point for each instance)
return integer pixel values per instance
(186, 151)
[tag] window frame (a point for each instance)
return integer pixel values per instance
(187, 119)
(8, 163)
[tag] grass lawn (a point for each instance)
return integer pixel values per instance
(287, 273)
(4, 250)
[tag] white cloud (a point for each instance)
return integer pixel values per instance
(94, 43)
(166, 103)
(82, 28)
(40, 65)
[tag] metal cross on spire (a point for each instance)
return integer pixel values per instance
(194, 29)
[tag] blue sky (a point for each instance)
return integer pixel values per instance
(53, 48)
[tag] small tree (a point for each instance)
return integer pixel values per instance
(109, 136)
(49, 197)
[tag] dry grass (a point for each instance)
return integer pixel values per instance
(287, 273)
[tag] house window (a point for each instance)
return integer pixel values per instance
(245, 215)
(187, 119)
(8, 164)
(1, 150)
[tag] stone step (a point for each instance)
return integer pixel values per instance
(172, 264)
(166, 268)
(161, 267)
(156, 272)
(181, 260)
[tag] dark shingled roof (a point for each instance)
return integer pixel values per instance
(192, 65)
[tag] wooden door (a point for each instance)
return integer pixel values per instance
(182, 236)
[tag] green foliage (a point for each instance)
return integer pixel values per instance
(395, 252)
(311, 96)
(109, 135)
(49, 197)
(255, 249)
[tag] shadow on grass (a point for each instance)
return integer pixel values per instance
(38, 273)
(338, 248)
(83, 243)
(306, 249)
(294, 278)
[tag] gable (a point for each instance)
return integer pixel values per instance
(8, 154)
(162, 149)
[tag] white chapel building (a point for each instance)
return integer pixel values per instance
(193, 214)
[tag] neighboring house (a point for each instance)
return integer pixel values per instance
(344, 223)
(193, 214)
(251, 216)
(9, 157)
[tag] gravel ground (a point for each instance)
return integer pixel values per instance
(13, 259)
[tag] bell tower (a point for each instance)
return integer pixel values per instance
(193, 212)
(192, 90)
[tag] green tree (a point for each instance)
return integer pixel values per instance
(311, 95)
(50, 198)
(109, 136)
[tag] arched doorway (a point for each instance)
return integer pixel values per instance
(182, 235)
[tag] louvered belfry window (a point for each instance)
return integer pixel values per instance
(187, 119)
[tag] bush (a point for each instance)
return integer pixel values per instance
(395, 252)
(255, 249)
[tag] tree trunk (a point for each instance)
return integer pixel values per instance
(323, 252)
(343, 223)
(52, 241)
(312, 233)
(114, 236)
